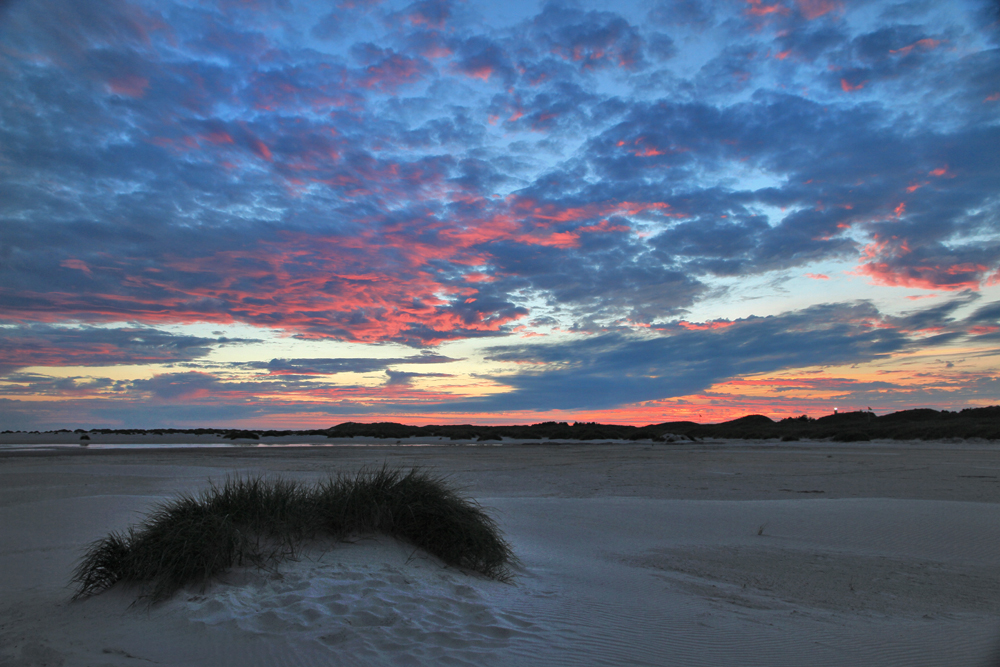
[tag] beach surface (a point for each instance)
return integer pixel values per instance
(724, 553)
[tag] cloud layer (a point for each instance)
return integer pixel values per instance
(412, 174)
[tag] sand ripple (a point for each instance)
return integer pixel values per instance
(371, 600)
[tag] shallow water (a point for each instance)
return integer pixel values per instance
(15, 447)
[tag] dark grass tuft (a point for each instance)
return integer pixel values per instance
(260, 522)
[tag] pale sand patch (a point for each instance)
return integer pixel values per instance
(630, 555)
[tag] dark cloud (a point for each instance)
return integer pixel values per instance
(698, 14)
(482, 58)
(988, 315)
(810, 44)
(615, 369)
(397, 378)
(390, 70)
(429, 13)
(330, 26)
(883, 44)
(732, 71)
(76, 28)
(590, 40)
(321, 366)
(176, 386)
(661, 46)
(25, 345)
(35, 384)
(429, 43)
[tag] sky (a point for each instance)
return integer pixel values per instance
(289, 214)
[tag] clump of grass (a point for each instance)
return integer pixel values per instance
(260, 522)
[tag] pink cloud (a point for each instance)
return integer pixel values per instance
(77, 264)
(882, 262)
(129, 85)
(758, 8)
(813, 9)
(705, 326)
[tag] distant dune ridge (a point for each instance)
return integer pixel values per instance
(921, 424)
(918, 424)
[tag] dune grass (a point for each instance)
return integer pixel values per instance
(257, 521)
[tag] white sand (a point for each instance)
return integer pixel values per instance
(630, 555)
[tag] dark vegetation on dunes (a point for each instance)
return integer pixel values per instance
(844, 427)
(253, 521)
(919, 424)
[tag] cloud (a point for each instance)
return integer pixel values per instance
(175, 386)
(615, 369)
(308, 183)
(320, 366)
(809, 44)
(386, 71)
(428, 13)
(405, 378)
(479, 57)
(37, 344)
(410, 174)
(813, 9)
(661, 46)
(590, 40)
(36, 384)
(698, 14)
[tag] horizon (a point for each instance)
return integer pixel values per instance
(289, 213)
(501, 425)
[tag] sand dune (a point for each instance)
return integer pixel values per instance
(374, 600)
(627, 557)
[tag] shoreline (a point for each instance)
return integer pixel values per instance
(859, 426)
(22, 439)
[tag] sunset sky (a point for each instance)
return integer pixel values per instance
(294, 214)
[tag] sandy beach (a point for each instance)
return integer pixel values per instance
(725, 553)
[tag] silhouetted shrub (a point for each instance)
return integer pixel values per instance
(244, 435)
(801, 418)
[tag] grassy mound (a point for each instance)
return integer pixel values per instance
(260, 522)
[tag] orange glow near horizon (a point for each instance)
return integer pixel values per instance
(897, 382)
